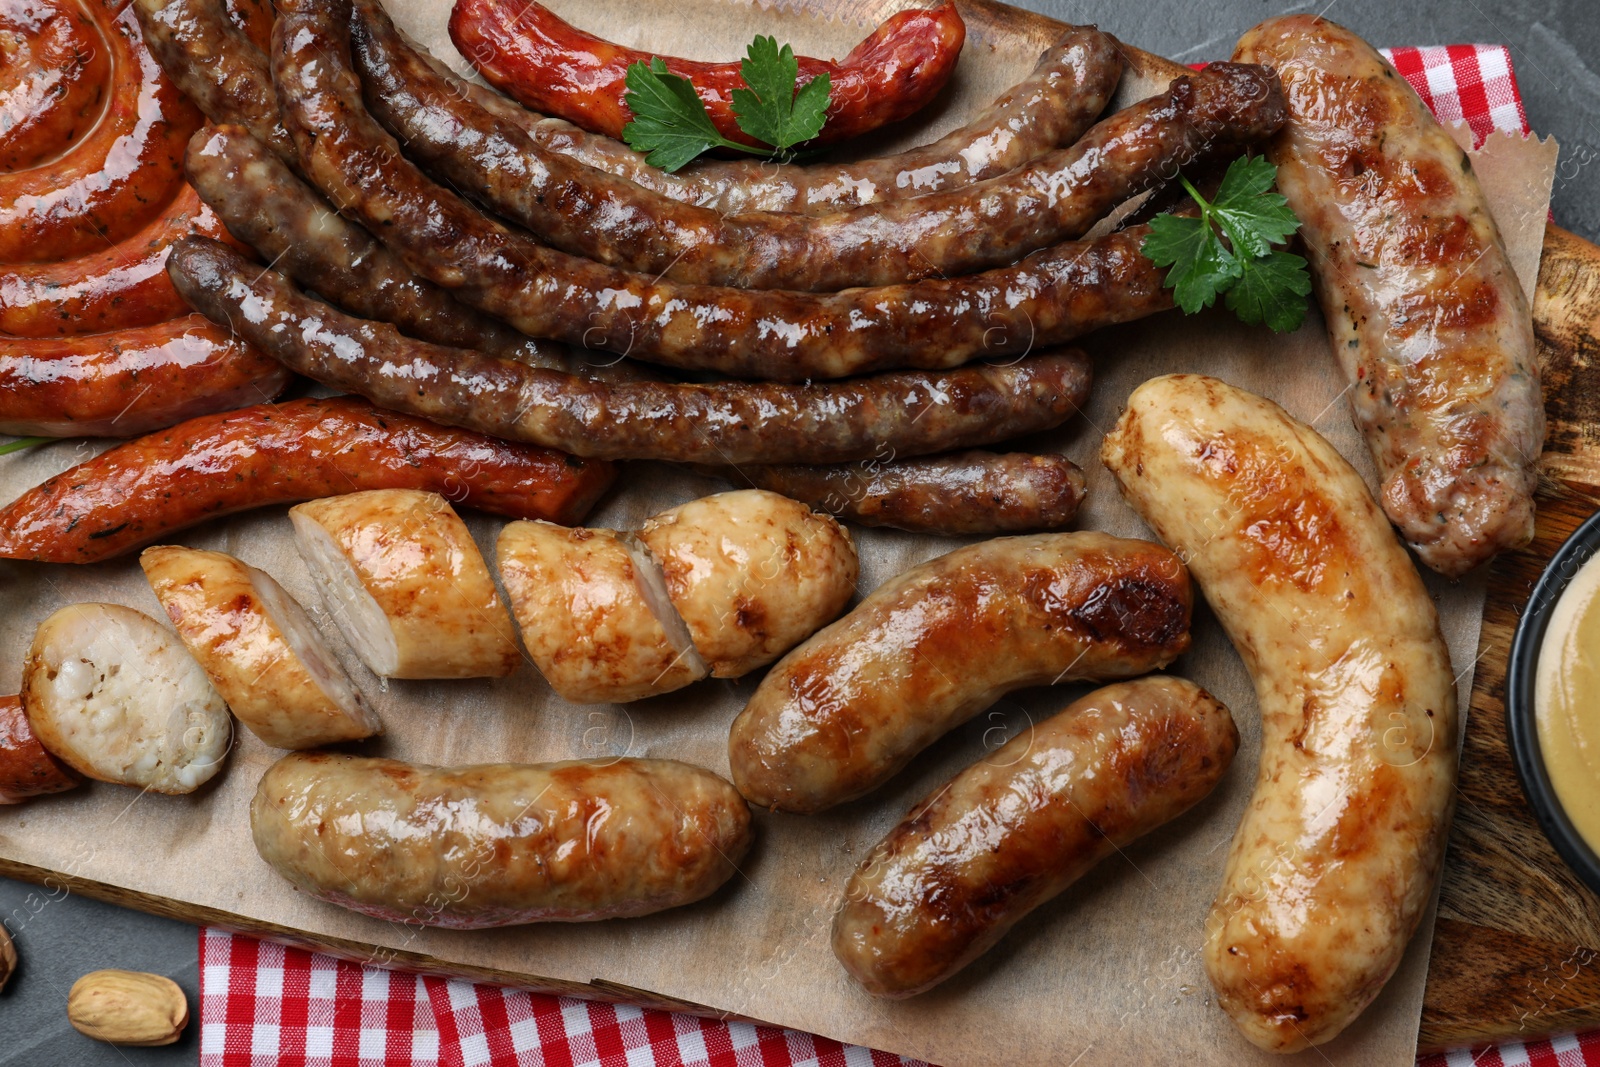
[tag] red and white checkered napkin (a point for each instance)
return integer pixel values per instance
(263, 1005)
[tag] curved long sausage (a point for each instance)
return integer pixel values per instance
(118, 288)
(993, 223)
(498, 844)
(1341, 845)
(965, 493)
(53, 83)
(130, 382)
(522, 48)
(26, 768)
(722, 422)
(1022, 824)
(1051, 297)
(283, 453)
(924, 652)
(114, 180)
(1423, 308)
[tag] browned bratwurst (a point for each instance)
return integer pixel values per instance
(843, 713)
(1021, 825)
(911, 412)
(498, 844)
(993, 223)
(26, 768)
(1049, 298)
(966, 493)
(1423, 307)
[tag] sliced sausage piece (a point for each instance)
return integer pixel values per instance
(498, 844)
(927, 650)
(259, 648)
(1022, 824)
(401, 576)
(752, 574)
(26, 768)
(595, 614)
(114, 695)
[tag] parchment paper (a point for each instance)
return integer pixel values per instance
(1109, 973)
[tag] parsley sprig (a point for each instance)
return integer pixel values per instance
(23, 443)
(671, 125)
(1260, 283)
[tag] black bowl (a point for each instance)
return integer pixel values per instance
(1521, 673)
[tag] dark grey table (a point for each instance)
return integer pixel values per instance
(1556, 50)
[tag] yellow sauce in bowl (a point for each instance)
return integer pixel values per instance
(1567, 701)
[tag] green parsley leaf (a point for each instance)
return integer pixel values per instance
(1201, 267)
(1253, 217)
(1273, 290)
(670, 123)
(770, 110)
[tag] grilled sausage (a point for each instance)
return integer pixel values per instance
(130, 382)
(279, 454)
(524, 49)
(1423, 308)
(1023, 824)
(53, 83)
(115, 179)
(1050, 297)
(927, 650)
(587, 213)
(1341, 844)
(965, 493)
(498, 844)
(26, 768)
(723, 422)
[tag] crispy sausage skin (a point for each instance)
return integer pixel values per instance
(1021, 825)
(53, 82)
(927, 650)
(964, 493)
(1052, 296)
(1424, 311)
(524, 49)
(115, 179)
(1340, 847)
(726, 422)
(279, 454)
(26, 768)
(498, 844)
(130, 382)
(574, 208)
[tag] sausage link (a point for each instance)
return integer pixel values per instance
(130, 382)
(843, 713)
(720, 422)
(1021, 825)
(271, 454)
(114, 180)
(965, 493)
(118, 288)
(26, 768)
(1423, 307)
(1341, 844)
(53, 82)
(255, 18)
(608, 219)
(1049, 298)
(498, 844)
(522, 48)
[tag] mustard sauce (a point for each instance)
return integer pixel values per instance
(1567, 701)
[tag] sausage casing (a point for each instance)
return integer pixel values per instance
(1341, 844)
(927, 650)
(26, 768)
(498, 844)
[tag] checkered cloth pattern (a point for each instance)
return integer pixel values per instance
(263, 1005)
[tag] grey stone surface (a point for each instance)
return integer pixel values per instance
(1556, 51)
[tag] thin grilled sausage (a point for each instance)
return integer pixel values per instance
(1051, 297)
(498, 844)
(53, 83)
(130, 382)
(965, 493)
(1423, 308)
(911, 412)
(114, 180)
(269, 454)
(1021, 825)
(1341, 844)
(26, 768)
(843, 713)
(993, 223)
